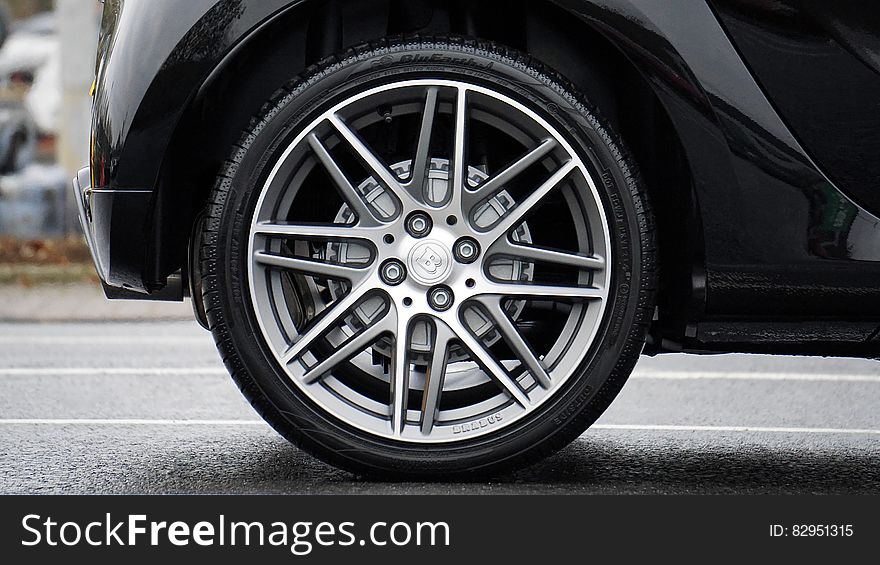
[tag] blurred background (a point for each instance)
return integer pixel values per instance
(47, 66)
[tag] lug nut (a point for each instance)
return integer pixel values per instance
(441, 298)
(466, 250)
(393, 272)
(418, 224)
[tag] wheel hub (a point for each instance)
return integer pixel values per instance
(437, 189)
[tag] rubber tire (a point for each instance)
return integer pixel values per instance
(224, 242)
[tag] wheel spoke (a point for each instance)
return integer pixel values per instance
(518, 214)
(531, 290)
(459, 152)
(365, 214)
(422, 160)
(488, 363)
(318, 231)
(316, 268)
(378, 169)
(436, 375)
(505, 247)
(348, 350)
(515, 340)
(400, 369)
(494, 185)
(330, 318)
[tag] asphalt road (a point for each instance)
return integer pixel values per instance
(147, 408)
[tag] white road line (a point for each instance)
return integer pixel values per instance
(752, 376)
(126, 422)
(736, 429)
(100, 340)
(613, 427)
(109, 371)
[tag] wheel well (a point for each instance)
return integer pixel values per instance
(312, 30)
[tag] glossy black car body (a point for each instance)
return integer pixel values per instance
(755, 123)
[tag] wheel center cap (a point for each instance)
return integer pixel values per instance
(430, 262)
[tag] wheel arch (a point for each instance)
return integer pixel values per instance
(308, 31)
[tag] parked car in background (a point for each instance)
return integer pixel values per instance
(432, 237)
(32, 195)
(31, 60)
(29, 54)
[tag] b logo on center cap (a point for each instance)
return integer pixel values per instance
(430, 262)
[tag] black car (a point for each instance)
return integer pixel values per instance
(434, 236)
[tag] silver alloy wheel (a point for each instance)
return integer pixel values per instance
(450, 328)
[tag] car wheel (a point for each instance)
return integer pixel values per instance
(429, 257)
